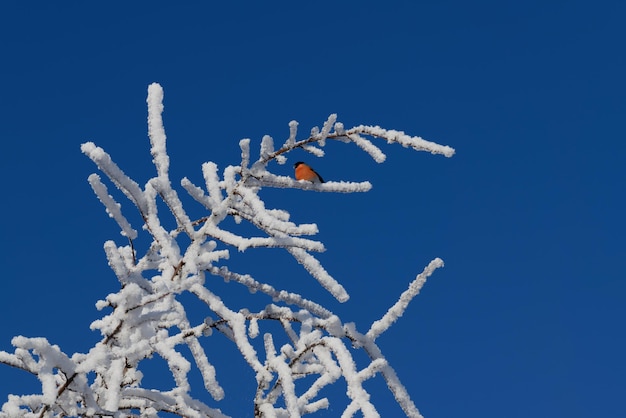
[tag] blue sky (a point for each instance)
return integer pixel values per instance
(527, 316)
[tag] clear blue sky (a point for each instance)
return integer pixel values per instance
(526, 318)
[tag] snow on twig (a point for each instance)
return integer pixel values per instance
(315, 268)
(156, 131)
(277, 295)
(415, 142)
(117, 176)
(397, 310)
(112, 207)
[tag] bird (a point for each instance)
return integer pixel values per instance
(305, 172)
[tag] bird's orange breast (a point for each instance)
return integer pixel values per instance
(304, 172)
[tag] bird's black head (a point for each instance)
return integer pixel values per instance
(297, 164)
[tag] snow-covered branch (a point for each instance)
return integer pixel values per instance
(147, 317)
(397, 310)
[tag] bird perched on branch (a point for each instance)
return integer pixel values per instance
(305, 172)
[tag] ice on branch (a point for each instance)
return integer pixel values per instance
(299, 350)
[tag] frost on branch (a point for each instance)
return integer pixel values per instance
(146, 317)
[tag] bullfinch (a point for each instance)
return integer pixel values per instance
(304, 172)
